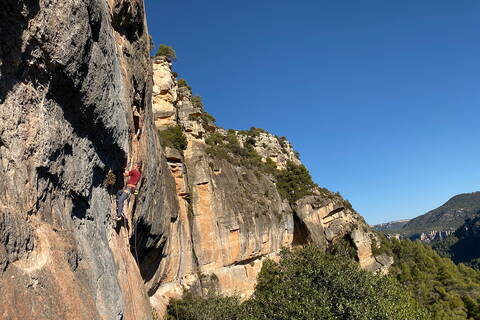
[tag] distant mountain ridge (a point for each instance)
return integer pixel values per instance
(438, 223)
(392, 225)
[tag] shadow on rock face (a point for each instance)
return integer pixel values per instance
(14, 17)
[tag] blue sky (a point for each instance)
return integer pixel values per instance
(381, 98)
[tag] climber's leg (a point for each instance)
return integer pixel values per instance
(121, 197)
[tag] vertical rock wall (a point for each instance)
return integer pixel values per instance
(75, 88)
(231, 217)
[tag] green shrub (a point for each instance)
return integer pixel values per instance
(207, 117)
(294, 182)
(209, 308)
(183, 83)
(173, 137)
(214, 139)
(197, 102)
(228, 147)
(252, 132)
(166, 51)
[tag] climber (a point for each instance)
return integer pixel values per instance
(132, 182)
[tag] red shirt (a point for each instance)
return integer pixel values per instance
(135, 176)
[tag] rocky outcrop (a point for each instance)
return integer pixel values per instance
(232, 216)
(75, 90)
(269, 146)
(164, 93)
(430, 236)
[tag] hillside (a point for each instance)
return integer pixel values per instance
(463, 245)
(391, 226)
(447, 290)
(437, 223)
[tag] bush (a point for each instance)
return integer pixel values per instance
(183, 83)
(309, 284)
(166, 51)
(252, 132)
(173, 137)
(294, 182)
(197, 102)
(214, 139)
(209, 308)
(205, 118)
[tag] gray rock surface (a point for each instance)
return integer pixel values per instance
(75, 93)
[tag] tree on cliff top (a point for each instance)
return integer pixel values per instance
(166, 51)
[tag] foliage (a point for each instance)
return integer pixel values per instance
(205, 118)
(173, 137)
(183, 83)
(209, 308)
(294, 182)
(197, 102)
(462, 246)
(214, 139)
(252, 132)
(449, 291)
(167, 52)
(310, 284)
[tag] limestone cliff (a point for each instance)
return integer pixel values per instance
(77, 107)
(232, 215)
(75, 104)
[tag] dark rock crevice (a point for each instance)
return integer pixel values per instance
(16, 239)
(14, 18)
(127, 19)
(301, 235)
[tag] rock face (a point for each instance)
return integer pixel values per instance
(430, 236)
(268, 146)
(77, 107)
(75, 88)
(232, 217)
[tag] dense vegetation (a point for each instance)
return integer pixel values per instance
(449, 291)
(166, 51)
(173, 137)
(463, 245)
(293, 182)
(309, 284)
(229, 148)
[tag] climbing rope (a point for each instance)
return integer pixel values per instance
(126, 274)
